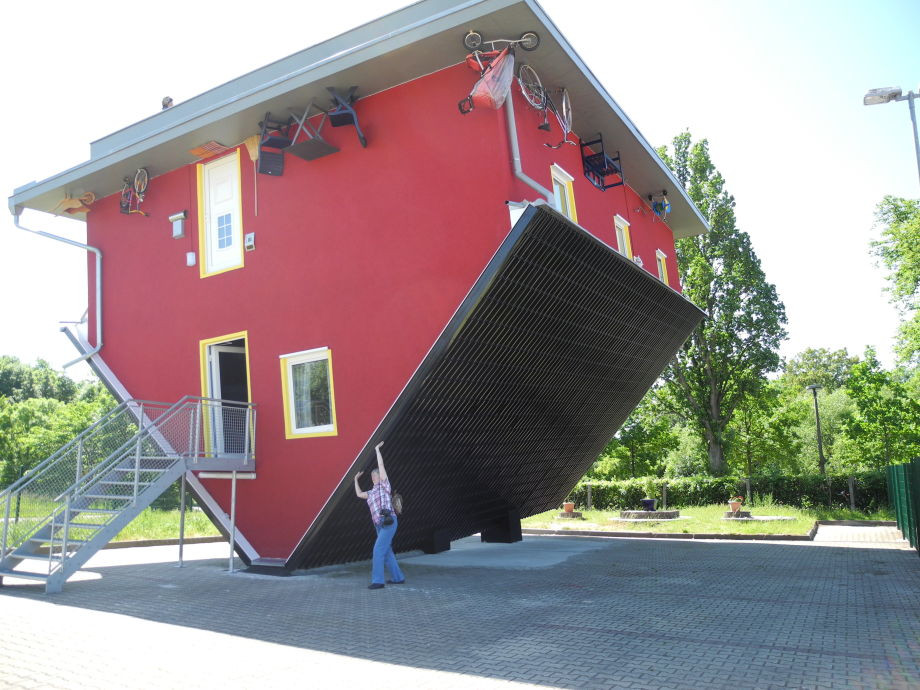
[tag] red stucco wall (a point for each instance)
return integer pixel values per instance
(367, 251)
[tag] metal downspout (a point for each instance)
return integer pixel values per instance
(98, 254)
(516, 154)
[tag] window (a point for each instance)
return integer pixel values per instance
(220, 227)
(307, 390)
(562, 189)
(624, 245)
(661, 259)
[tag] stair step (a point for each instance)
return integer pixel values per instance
(113, 483)
(39, 540)
(107, 497)
(143, 469)
(97, 510)
(5, 572)
(83, 525)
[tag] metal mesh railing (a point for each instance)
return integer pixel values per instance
(26, 505)
(904, 495)
(108, 465)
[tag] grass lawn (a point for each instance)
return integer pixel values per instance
(164, 524)
(703, 520)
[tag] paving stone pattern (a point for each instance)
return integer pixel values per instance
(628, 613)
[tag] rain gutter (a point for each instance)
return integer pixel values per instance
(98, 254)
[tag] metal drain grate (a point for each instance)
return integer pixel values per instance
(554, 346)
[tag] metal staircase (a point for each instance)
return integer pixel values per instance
(74, 502)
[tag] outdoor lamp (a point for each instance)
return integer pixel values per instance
(814, 388)
(886, 94)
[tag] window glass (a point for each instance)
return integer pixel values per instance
(662, 266)
(311, 394)
(224, 231)
(562, 197)
(624, 245)
(308, 392)
(563, 192)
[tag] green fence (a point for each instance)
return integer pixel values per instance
(904, 494)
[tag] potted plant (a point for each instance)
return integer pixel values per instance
(735, 503)
(648, 485)
(568, 507)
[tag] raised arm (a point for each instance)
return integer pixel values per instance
(358, 492)
(380, 469)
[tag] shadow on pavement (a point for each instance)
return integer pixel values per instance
(650, 613)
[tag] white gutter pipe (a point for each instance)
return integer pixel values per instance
(98, 254)
(516, 154)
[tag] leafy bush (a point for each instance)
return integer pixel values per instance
(806, 491)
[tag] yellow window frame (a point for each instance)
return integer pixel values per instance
(287, 393)
(565, 181)
(661, 259)
(622, 225)
(202, 230)
(203, 346)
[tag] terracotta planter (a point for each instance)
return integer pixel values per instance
(568, 507)
(735, 506)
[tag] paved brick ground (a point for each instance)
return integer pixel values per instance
(552, 611)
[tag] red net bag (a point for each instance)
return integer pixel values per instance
(493, 87)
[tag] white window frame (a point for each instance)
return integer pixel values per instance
(209, 264)
(624, 240)
(287, 382)
(565, 206)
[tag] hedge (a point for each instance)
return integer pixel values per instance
(803, 491)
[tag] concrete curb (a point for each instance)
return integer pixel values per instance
(809, 536)
(859, 523)
(43, 551)
(672, 535)
(162, 542)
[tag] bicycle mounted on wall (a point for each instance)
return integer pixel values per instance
(495, 67)
(541, 98)
(132, 193)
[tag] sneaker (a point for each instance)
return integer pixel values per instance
(395, 582)
(375, 585)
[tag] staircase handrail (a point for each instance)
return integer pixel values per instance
(185, 402)
(37, 471)
(118, 454)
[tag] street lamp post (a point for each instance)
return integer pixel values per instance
(887, 94)
(821, 462)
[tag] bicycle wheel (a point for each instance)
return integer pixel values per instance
(127, 194)
(140, 182)
(531, 87)
(564, 113)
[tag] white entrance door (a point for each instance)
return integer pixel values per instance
(223, 229)
(227, 381)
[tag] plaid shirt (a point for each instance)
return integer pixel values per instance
(379, 497)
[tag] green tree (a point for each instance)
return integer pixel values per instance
(41, 410)
(899, 250)
(762, 433)
(837, 410)
(728, 356)
(827, 368)
(886, 426)
(639, 447)
(19, 381)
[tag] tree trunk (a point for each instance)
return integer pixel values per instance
(716, 460)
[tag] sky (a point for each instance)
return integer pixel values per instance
(775, 86)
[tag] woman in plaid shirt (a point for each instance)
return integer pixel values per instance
(379, 498)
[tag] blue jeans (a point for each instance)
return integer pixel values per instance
(383, 554)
